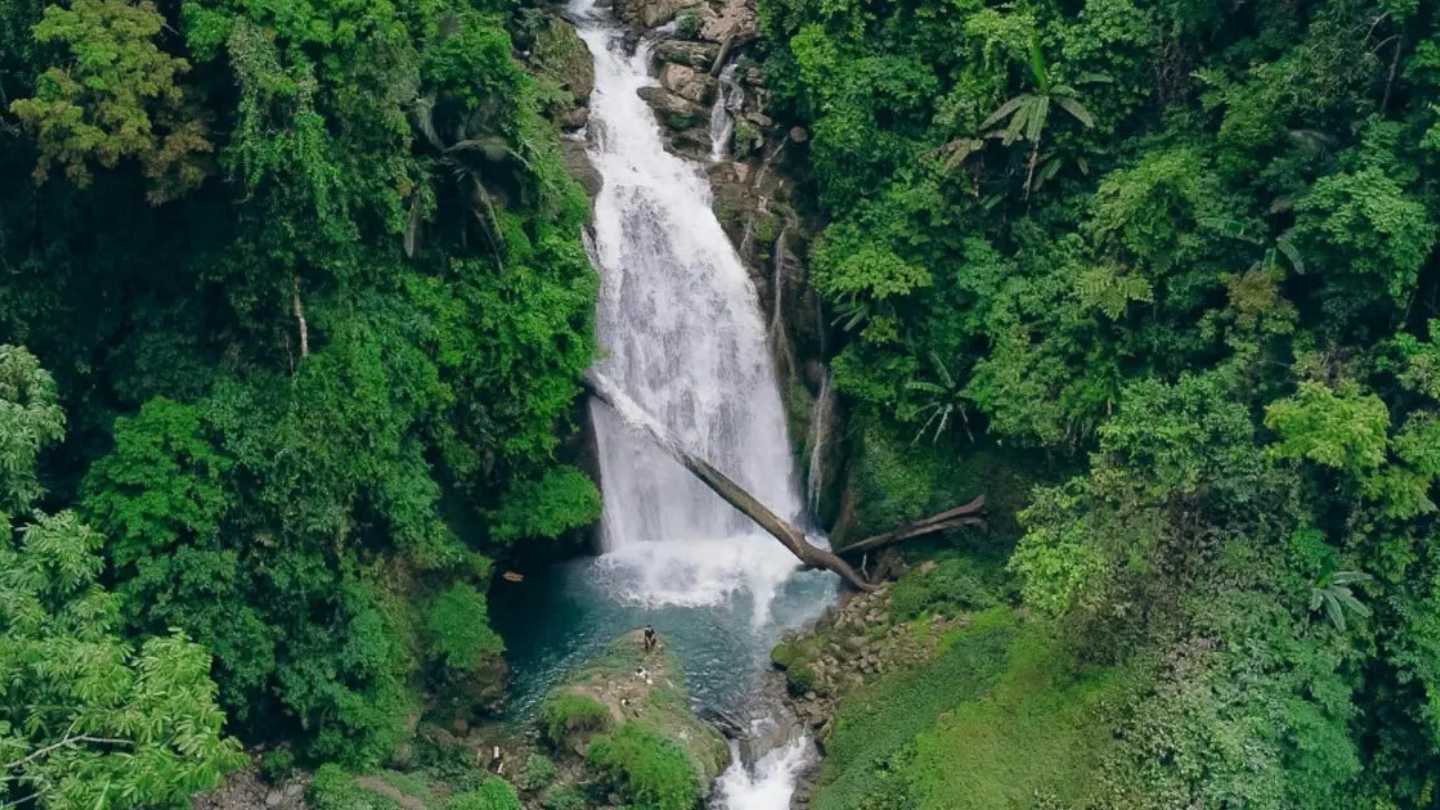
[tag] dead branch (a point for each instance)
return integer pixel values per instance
(971, 514)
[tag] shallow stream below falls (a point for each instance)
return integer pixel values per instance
(681, 335)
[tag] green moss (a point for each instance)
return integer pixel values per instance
(767, 227)
(565, 798)
(799, 407)
(567, 713)
(651, 772)
(1002, 717)
(796, 657)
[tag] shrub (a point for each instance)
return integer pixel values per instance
(568, 713)
(334, 789)
(563, 499)
(952, 585)
(651, 772)
(687, 25)
(566, 798)
(459, 629)
(277, 765)
(539, 771)
(494, 794)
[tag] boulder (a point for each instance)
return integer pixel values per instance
(736, 19)
(561, 56)
(579, 165)
(700, 55)
(652, 13)
(687, 82)
(760, 120)
(693, 143)
(675, 112)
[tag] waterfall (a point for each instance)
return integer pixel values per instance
(681, 335)
(729, 100)
(682, 340)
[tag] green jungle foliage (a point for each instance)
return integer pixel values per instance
(309, 281)
(1187, 252)
(304, 312)
(89, 717)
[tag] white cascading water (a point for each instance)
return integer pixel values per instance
(729, 98)
(770, 783)
(681, 336)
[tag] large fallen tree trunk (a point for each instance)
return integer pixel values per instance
(789, 535)
(971, 514)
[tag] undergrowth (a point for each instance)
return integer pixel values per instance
(1001, 717)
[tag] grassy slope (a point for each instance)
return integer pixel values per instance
(999, 719)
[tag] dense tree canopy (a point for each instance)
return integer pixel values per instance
(1191, 247)
(310, 283)
(304, 311)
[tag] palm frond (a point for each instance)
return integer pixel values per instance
(1004, 110)
(1070, 104)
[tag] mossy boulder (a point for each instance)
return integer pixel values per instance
(566, 72)
(560, 53)
(652, 13)
(674, 111)
(699, 55)
(606, 695)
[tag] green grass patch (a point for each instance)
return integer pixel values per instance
(566, 713)
(1001, 718)
(334, 788)
(650, 771)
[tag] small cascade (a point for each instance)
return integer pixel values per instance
(770, 782)
(729, 100)
(779, 340)
(820, 420)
